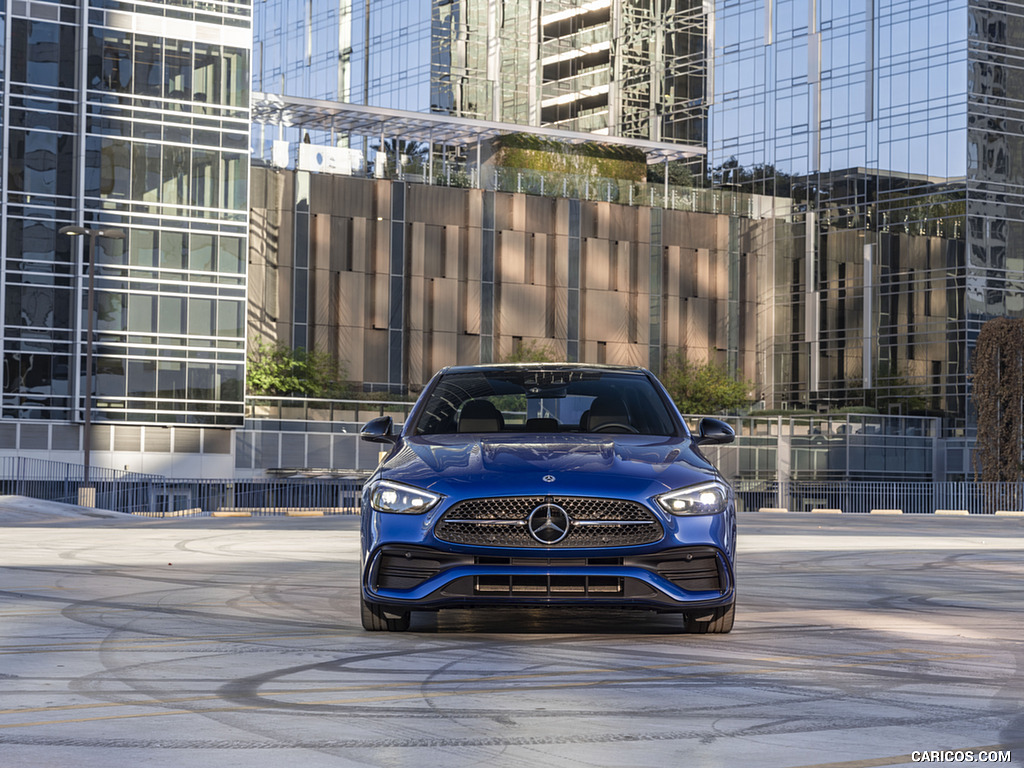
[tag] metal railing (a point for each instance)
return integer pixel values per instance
(158, 496)
(630, 192)
(62, 481)
(587, 186)
(846, 447)
(915, 498)
(258, 497)
(26, 469)
(272, 408)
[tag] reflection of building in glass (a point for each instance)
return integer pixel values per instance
(620, 67)
(889, 125)
(892, 126)
(135, 118)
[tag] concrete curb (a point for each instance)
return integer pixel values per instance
(282, 511)
(194, 512)
(900, 512)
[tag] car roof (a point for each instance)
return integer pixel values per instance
(487, 367)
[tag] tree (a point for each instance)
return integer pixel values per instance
(761, 179)
(679, 174)
(413, 155)
(703, 388)
(530, 352)
(891, 388)
(998, 378)
(279, 370)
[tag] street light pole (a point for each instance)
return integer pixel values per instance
(111, 233)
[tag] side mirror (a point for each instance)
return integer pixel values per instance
(378, 430)
(714, 432)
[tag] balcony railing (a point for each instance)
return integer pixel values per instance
(311, 409)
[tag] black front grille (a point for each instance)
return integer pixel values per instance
(513, 588)
(548, 586)
(502, 522)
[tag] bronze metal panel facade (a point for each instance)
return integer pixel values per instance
(350, 272)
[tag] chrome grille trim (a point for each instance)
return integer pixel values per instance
(614, 522)
(594, 522)
(478, 521)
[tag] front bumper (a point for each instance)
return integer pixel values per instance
(669, 580)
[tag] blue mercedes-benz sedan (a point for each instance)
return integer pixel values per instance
(547, 484)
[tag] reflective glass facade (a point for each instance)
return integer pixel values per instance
(337, 50)
(889, 131)
(892, 127)
(135, 117)
(625, 67)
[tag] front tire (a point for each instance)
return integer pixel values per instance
(718, 622)
(375, 619)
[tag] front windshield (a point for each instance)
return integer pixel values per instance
(545, 401)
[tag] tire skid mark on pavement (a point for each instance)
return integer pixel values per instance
(403, 682)
(495, 741)
(247, 694)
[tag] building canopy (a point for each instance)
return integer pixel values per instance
(359, 120)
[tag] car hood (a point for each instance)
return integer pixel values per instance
(492, 465)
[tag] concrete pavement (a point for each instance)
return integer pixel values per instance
(859, 641)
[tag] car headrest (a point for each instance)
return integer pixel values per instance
(606, 410)
(541, 425)
(480, 416)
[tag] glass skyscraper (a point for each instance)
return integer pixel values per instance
(130, 116)
(631, 68)
(894, 127)
(888, 133)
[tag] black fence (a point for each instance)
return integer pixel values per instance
(920, 498)
(158, 496)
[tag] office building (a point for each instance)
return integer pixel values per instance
(130, 119)
(874, 151)
(895, 129)
(887, 133)
(479, 267)
(616, 67)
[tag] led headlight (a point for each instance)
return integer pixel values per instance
(704, 499)
(401, 499)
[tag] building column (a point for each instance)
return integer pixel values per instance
(397, 290)
(734, 314)
(300, 284)
(487, 279)
(572, 345)
(655, 255)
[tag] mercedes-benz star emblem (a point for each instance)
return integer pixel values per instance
(548, 478)
(548, 523)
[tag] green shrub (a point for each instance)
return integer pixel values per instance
(280, 370)
(613, 161)
(704, 388)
